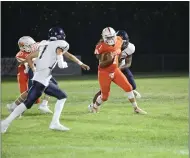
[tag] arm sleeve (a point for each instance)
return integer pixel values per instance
(61, 63)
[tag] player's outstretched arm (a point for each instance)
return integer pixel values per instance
(30, 61)
(74, 59)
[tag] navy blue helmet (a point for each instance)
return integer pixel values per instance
(123, 34)
(56, 33)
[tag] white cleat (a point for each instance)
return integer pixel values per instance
(139, 111)
(44, 109)
(137, 94)
(58, 126)
(10, 108)
(4, 126)
(92, 109)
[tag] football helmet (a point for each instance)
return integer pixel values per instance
(56, 33)
(123, 34)
(109, 36)
(25, 43)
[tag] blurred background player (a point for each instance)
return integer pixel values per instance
(25, 75)
(108, 52)
(125, 61)
(49, 53)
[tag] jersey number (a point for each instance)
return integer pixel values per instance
(43, 52)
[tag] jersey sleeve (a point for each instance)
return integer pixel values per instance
(21, 56)
(63, 45)
(129, 50)
(98, 49)
(34, 47)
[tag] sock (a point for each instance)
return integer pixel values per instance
(132, 97)
(45, 102)
(134, 104)
(98, 102)
(58, 109)
(18, 110)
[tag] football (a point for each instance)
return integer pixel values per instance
(107, 55)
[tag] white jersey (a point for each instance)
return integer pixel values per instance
(47, 59)
(126, 52)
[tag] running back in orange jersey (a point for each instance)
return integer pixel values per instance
(103, 48)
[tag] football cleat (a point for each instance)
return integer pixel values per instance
(92, 109)
(58, 126)
(139, 111)
(4, 126)
(10, 108)
(44, 109)
(137, 94)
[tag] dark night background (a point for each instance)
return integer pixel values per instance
(159, 30)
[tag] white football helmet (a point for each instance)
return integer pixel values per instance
(25, 42)
(109, 36)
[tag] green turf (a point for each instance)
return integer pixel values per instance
(115, 132)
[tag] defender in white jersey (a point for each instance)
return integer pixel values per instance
(48, 53)
(47, 59)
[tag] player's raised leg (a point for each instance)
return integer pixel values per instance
(104, 82)
(94, 100)
(43, 107)
(34, 93)
(30, 76)
(121, 81)
(55, 91)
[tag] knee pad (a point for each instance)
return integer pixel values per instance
(130, 95)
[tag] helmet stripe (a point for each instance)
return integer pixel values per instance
(109, 29)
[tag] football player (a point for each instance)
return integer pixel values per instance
(124, 63)
(25, 75)
(49, 53)
(108, 52)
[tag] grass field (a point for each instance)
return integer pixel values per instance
(115, 132)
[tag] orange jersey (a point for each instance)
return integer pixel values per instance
(21, 56)
(102, 48)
